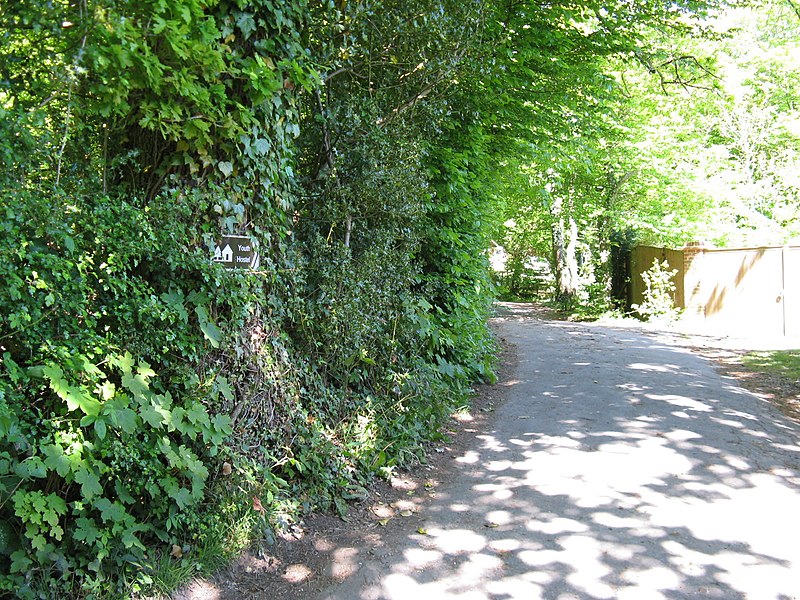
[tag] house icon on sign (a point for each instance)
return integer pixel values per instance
(224, 254)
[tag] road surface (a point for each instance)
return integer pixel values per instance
(621, 467)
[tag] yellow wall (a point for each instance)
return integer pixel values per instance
(642, 259)
(752, 290)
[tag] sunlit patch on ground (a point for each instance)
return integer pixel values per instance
(297, 573)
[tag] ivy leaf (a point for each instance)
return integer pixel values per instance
(122, 493)
(81, 399)
(151, 415)
(129, 539)
(197, 414)
(262, 146)
(226, 168)
(125, 419)
(125, 363)
(20, 563)
(56, 459)
(223, 424)
(86, 531)
(33, 466)
(210, 330)
(224, 387)
(76, 398)
(137, 385)
(89, 482)
(246, 24)
(182, 497)
(111, 511)
(38, 542)
(145, 371)
(175, 298)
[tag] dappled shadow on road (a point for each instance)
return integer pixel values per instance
(620, 468)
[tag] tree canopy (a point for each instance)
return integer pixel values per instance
(691, 138)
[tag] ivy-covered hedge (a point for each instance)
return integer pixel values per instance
(151, 401)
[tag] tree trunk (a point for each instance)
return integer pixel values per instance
(610, 262)
(348, 230)
(565, 259)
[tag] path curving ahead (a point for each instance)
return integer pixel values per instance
(619, 467)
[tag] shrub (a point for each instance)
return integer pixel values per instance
(150, 400)
(659, 303)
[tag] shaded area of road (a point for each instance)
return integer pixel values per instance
(620, 466)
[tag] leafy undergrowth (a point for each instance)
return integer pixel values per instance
(159, 412)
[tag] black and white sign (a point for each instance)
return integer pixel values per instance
(236, 252)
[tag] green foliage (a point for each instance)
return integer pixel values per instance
(785, 363)
(130, 144)
(659, 293)
(100, 465)
(713, 158)
(459, 219)
(652, 124)
(394, 187)
(133, 368)
(151, 400)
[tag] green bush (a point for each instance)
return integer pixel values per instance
(154, 404)
(100, 456)
(117, 464)
(659, 302)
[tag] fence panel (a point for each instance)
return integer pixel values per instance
(642, 258)
(791, 292)
(742, 291)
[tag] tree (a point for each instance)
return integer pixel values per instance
(564, 113)
(713, 161)
(392, 148)
(631, 133)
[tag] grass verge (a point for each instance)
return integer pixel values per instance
(785, 363)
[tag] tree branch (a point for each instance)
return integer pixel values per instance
(795, 7)
(411, 103)
(422, 93)
(673, 64)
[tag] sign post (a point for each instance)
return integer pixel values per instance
(236, 252)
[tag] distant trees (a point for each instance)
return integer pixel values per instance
(684, 135)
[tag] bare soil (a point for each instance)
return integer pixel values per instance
(327, 549)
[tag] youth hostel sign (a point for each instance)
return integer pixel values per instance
(236, 252)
